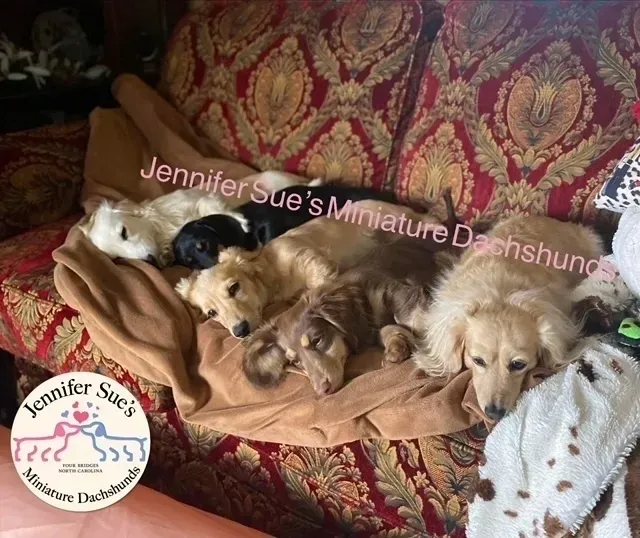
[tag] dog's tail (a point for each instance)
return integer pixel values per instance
(452, 219)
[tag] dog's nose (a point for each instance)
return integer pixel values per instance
(152, 260)
(242, 329)
(325, 388)
(495, 412)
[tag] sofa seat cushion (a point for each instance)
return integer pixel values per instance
(524, 108)
(407, 488)
(313, 88)
(35, 322)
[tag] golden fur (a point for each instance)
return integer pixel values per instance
(374, 302)
(501, 317)
(237, 289)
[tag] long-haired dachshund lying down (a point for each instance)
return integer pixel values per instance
(236, 290)
(145, 230)
(501, 317)
(199, 243)
(378, 301)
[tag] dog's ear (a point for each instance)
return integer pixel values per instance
(86, 224)
(556, 330)
(441, 352)
(129, 207)
(451, 344)
(184, 286)
(264, 361)
(347, 311)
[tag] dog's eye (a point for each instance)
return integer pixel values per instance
(316, 341)
(516, 366)
(124, 234)
(479, 361)
(212, 314)
(296, 362)
(234, 288)
(201, 246)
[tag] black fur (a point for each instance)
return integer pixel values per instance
(198, 243)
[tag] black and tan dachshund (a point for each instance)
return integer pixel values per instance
(198, 243)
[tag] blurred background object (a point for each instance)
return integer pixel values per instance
(59, 57)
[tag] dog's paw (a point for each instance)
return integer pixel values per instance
(397, 350)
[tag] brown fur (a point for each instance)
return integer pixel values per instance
(304, 258)
(362, 308)
(379, 300)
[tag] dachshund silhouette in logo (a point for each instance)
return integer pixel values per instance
(47, 446)
(103, 443)
(117, 446)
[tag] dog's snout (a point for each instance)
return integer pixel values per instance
(242, 329)
(152, 260)
(495, 412)
(325, 388)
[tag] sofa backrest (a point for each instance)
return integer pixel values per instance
(315, 88)
(524, 107)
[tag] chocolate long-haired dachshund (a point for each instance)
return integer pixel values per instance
(378, 301)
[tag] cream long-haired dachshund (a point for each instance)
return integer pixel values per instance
(500, 316)
(144, 231)
(235, 291)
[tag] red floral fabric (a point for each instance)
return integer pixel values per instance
(412, 488)
(35, 322)
(315, 88)
(525, 107)
(40, 175)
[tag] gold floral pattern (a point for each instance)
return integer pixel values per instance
(280, 80)
(507, 114)
(279, 92)
(519, 84)
(339, 155)
(440, 163)
(41, 175)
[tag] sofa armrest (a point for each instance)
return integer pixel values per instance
(40, 175)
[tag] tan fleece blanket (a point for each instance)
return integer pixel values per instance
(135, 317)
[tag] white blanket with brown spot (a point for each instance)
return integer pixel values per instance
(556, 464)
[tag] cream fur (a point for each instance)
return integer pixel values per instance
(151, 225)
(506, 310)
(304, 258)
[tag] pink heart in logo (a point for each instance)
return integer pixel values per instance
(80, 416)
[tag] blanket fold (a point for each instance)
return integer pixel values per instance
(135, 317)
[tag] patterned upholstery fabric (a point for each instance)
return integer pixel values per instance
(402, 488)
(40, 175)
(35, 322)
(387, 489)
(525, 107)
(316, 88)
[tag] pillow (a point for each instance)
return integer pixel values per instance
(622, 189)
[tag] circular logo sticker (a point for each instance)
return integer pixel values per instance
(80, 441)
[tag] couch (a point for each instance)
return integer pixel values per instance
(518, 106)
